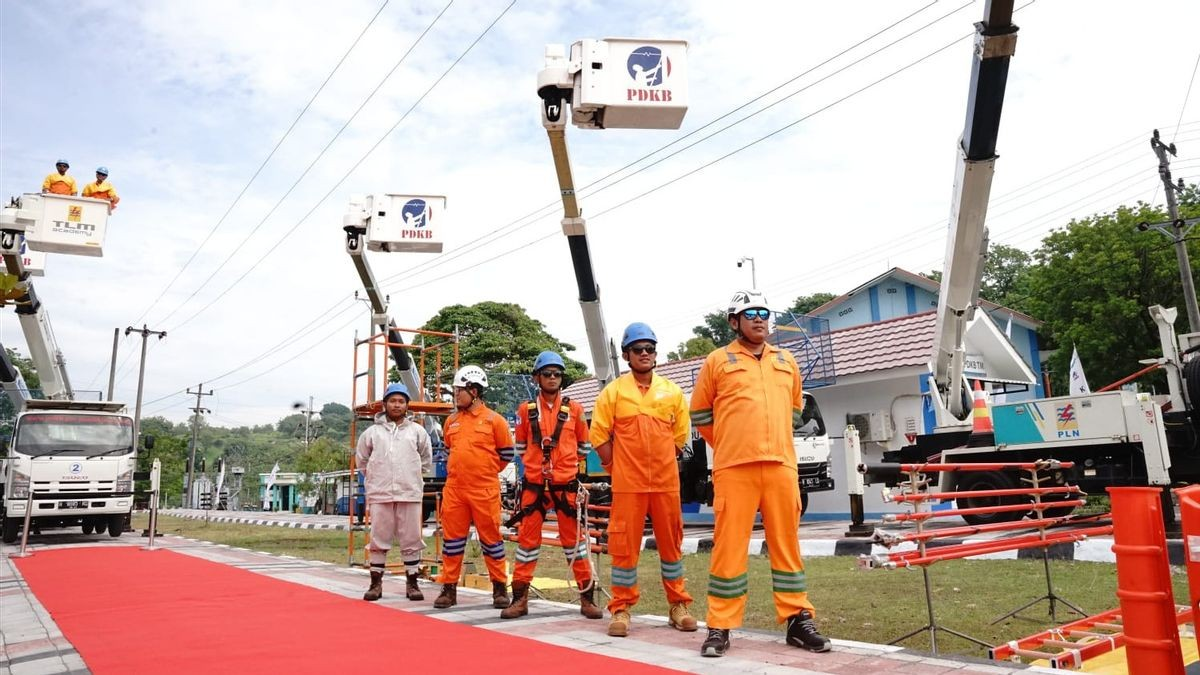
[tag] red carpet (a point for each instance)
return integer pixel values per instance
(132, 611)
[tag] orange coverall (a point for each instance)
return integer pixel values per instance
(543, 474)
(646, 427)
(102, 190)
(59, 184)
(480, 446)
(745, 407)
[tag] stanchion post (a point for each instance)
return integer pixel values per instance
(1144, 582)
(25, 553)
(155, 485)
(854, 483)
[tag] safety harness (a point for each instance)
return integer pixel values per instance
(557, 491)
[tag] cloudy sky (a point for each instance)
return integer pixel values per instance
(820, 140)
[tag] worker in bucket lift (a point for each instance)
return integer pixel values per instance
(639, 429)
(746, 401)
(551, 438)
(480, 446)
(102, 189)
(394, 453)
(58, 182)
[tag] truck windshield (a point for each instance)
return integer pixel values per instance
(811, 422)
(41, 434)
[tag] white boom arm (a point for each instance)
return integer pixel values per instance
(43, 350)
(966, 245)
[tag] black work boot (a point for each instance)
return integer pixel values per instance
(413, 591)
(587, 606)
(499, 595)
(448, 598)
(717, 642)
(802, 632)
(375, 591)
(520, 602)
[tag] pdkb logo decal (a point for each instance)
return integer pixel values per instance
(416, 213)
(648, 67)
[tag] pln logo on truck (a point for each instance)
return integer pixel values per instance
(417, 214)
(649, 69)
(1065, 420)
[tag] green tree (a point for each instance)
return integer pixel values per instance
(501, 337)
(1092, 282)
(691, 348)
(171, 449)
(26, 368)
(807, 303)
(715, 328)
(1005, 274)
(336, 419)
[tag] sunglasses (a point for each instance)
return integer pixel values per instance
(551, 373)
(643, 350)
(763, 314)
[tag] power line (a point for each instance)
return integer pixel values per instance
(263, 165)
(1182, 108)
(355, 166)
(308, 168)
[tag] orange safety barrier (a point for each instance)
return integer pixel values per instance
(1144, 582)
(1189, 510)
(1077, 641)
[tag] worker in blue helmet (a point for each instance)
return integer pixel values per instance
(58, 182)
(551, 437)
(394, 453)
(639, 427)
(101, 188)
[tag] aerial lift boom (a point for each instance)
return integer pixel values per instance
(43, 349)
(966, 245)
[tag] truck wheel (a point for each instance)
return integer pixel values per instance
(12, 527)
(88, 526)
(116, 525)
(803, 502)
(988, 480)
(101, 524)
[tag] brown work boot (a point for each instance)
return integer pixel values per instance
(499, 595)
(413, 591)
(520, 602)
(448, 598)
(587, 606)
(619, 626)
(375, 591)
(681, 619)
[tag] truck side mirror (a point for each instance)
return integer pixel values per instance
(148, 441)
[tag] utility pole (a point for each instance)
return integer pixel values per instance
(196, 412)
(112, 368)
(1176, 229)
(310, 429)
(137, 413)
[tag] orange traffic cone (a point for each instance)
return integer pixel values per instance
(981, 417)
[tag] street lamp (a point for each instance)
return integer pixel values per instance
(753, 275)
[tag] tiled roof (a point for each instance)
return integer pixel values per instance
(895, 343)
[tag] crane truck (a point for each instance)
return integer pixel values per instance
(67, 462)
(1113, 438)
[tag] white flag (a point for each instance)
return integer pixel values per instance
(1078, 384)
(274, 474)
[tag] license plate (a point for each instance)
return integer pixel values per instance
(72, 505)
(810, 482)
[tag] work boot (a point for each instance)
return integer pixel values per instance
(375, 591)
(413, 591)
(499, 595)
(717, 642)
(681, 619)
(448, 598)
(802, 632)
(587, 606)
(619, 626)
(520, 602)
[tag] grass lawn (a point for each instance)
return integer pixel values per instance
(868, 605)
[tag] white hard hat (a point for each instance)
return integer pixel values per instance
(471, 375)
(743, 300)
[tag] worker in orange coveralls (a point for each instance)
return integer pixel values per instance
(745, 404)
(58, 182)
(639, 428)
(102, 189)
(480, 446)
(551, 439)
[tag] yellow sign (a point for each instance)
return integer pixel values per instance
(74, 213)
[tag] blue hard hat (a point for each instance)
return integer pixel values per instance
(62, 161)
(396, 388)
(102, 169)
(637, 331)
(548, 358)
